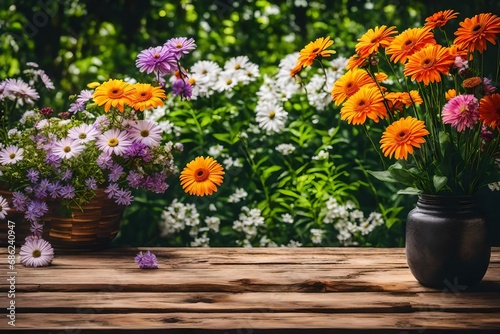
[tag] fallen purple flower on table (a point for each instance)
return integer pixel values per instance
(146, 261)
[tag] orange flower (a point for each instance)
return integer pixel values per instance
(370, 42)
(114, 93)
(439, 19)
(455, 52)
(451, 93)
(428, 64)
(367, 102)
(476, 31)
(355, 62)
(489, 110)
(147, 96)
(398, 100)
(402, 136)
(349, 83)
(201, 176)
(409, 42)
(311, 51)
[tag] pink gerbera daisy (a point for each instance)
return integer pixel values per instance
(114, 141)
(461, 112)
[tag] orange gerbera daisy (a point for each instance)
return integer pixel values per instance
(370, 42)
(428, 64)
(349, 83)
(355, 61)
(114, 93)
(450, 93)
(474, 32)
(201, 176)
(489, 110)
(402, 136)
(409, 42)
(311, 51)
(367, 102)
(147, 96)
(398, 100)
(439, 19)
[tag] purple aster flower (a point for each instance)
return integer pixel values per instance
(32, 175)
(53, 160)
(67, 175)
(146, 261)
(182, 88)
(82, 98)
(91, 183)
(35, 210)
(19, 201)
(123, 197)
(36, 253)
(116, 172)
(158, 59)
(139, 150)
(104, 161)
(19, 91)
(67, 191)
(135, 179)
(36, 229)
(111, 190)
(41, 190)
(156, 183)
(179, 147)
(55, 189)
(180, 46)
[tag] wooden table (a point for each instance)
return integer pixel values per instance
(237, 290)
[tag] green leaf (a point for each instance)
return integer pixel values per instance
(409, 191)
(439, 181)
(224, 137)
(384, 176)
(289, 193)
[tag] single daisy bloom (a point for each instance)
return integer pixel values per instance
(409, 42)
(114, 93)
(367, 102)
(428, 64)
(474, 33)
(159, 60)
(311, 51)
(488, 110)
(201, 176)
(11, 154)
(67, 148)
(83, 133)
(180, 46)
(237, 63)
(147, 96)
(4, 207)
(271, 117)
(206, 68)
(113, 141)
(83, 97)
(402, 136)
(355, 61)
(146, 132)
(349, 84)
(36, 252)
(439, 19)
(461, 112)
(20, 91)
(373, 39)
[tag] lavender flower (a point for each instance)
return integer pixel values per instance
(139, 150)
(91, 183)
(82, 98)
(41, 190)
(67, 175)
(19, 91)
(134, 179)
(36, 252)
(104, 161)
(158, 59)
(19, 201)
(53, 160)
(146, 261)
(35, 210)
(182, 88)
(4, 206)
(116, 172)
(111, 189)
(180, 46)
(37, 229)
(32, 175)
(123, 197)
(55, 189)
(67, 191)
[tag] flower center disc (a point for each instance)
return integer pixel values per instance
(37, 253)
(12, 155)
(201, 174)
(82, 135)
(115, 93)
(402, 137)
(144, 96)
(144, 133)
(272, 114)
(67, 149)
(112, 142)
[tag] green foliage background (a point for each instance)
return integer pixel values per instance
(77, 42)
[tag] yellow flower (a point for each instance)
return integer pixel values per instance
(201, 176)
(114, 93)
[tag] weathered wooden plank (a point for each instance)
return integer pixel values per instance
(248, 321)
(346, 302)
(264, 279)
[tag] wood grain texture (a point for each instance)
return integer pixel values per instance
(240, 290)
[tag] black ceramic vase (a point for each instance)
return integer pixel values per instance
(447, 242)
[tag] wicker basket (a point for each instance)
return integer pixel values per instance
(90, 227)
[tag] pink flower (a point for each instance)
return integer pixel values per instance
(461, 112)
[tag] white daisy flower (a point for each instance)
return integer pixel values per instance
(11, 154)
(226, 81)
(206, 68)
(67, 148)
(237, 63)
(4, 206)
(271, 118)
(113, 141)
(83, 133)
(147, 132)
(36, 253)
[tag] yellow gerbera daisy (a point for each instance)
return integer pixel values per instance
(147, 96)
(201, 176)
(402, 136)
(114, 93)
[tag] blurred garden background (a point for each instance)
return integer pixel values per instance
(305, 184)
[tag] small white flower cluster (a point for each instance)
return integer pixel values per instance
(238, 195)
(348, 220)
(249, 221)
(206, 77)
(285, 149)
